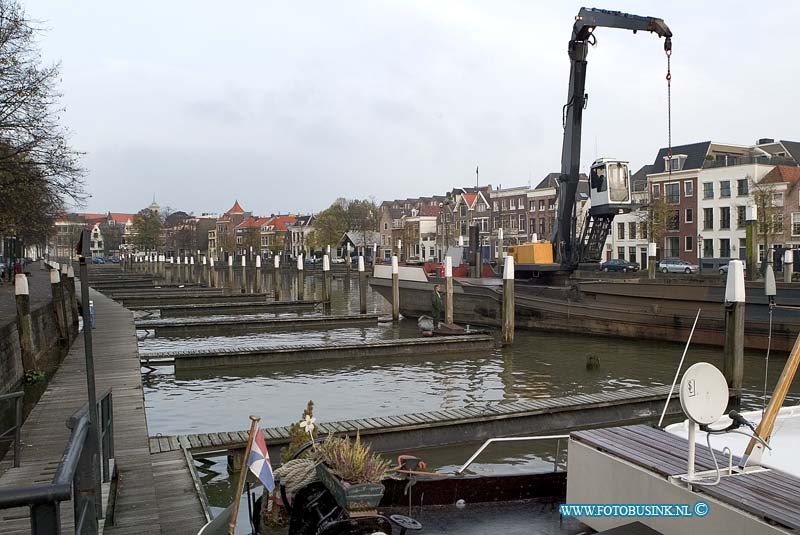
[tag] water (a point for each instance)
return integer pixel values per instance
(538, 365)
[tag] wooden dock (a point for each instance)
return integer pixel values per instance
(44, 436)
(252, 356)
(230, 309)
(157, 301)
(194, 326)
(454, 426)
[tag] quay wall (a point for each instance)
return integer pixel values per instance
(48, 351)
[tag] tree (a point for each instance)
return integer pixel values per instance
(331, 224)
(655, 216)
(769, 216)
(39, 170)
(147, 225)
(112, 237)
(364, 218)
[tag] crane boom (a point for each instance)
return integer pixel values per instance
(564, 238)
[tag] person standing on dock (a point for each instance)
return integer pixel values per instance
(436, 303)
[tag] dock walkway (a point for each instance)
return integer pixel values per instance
(45, 435)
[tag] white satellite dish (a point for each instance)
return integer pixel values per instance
(704, 397)
(703, 393)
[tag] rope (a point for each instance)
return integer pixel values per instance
(766, 365)
(297, 473)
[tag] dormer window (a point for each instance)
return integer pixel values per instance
(674, 163)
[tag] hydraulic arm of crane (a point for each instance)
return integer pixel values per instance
(564, 239)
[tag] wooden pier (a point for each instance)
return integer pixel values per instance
(253, 356)
(220, 309)
(147, 495)
(157, 301)
(454, 426)
(188, 326)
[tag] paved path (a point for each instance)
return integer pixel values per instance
(44, 434)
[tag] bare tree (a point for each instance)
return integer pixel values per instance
(654, 218)
(39, 170)
(769, 216)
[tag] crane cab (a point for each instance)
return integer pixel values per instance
(609, 186)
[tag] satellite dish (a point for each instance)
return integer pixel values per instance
(704, 393)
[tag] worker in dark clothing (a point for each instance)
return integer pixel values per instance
(436, 303)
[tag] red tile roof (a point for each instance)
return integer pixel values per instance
(782, 173)
(235, 209)
(122, 218)
(252, 222)
(470, 198)
(282, 222)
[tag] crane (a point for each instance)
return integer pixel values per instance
(609, 178)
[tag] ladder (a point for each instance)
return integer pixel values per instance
(593, 237)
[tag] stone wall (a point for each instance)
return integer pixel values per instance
(48, 351)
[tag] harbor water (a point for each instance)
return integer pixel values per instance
(538, 365)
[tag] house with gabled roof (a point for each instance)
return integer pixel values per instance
(275, 237)
(222, 239)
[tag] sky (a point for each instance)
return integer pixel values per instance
(286, 106)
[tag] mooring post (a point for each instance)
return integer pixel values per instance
(788, 265)
(301, 280)
(58, 299)
(348, 260)
(257, 280)
(508, 301)
(229, 281)
(448, 290)
(399, 250)
(211, 272)
(751, 216)
(24, 323)
(395, 288)
(499, 245)
(245, 283)
(733, 356)
(65, 298)
(73, 298)
(276, 277)
(362, 286)
(326, 281)
(651, 260)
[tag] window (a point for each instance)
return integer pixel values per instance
(551, 205)
(708, 219)
(621, 231)
(708, 248)
(795, 223)
(621, 253)
(521, 203)
(689, 216)
(708, 190)
(742, 249)
(481, 207)
(673, 247)
(742, 188)
(656, 190)
(672, 193)
(496, 206)
(632, 230)
(777, 199)
(688, 188)
(689, 244)
(386, 226)
(541, 205)
(522, 222)
(741, 216)
(533, 206)
(673, 220)
(541, 226)
(503, 204)
(725, 217)
(724, 188)
(675, 164)
(632, 254)
(725, 248)
(643, 229)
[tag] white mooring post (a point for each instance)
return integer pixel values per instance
(733, 353)
(301, 280)
(395, 289)
(508, 301)
(448, 290)
(788, 264)
(326, 279)
(276, 277)
(362, 286)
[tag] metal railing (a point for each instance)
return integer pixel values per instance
(78, 477)
(746, 160)
(515, 439)
(17, 427)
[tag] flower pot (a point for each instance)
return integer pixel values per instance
(353, 498)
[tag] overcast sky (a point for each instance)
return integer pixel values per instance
(288, 105)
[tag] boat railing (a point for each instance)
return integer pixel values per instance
(16, 397)
(85, 462)
(557, 438)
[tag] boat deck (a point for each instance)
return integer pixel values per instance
(770, 495)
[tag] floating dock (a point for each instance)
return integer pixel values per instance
(230, 309)
(253, 356)
(213, 296)
(455, 426)
(195, 326)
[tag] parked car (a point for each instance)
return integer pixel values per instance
(98, 260)
(619, 264)
(114, 260)
(723, 270)
(337, 261)
(676, 265)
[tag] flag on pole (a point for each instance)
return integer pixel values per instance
(258, 461)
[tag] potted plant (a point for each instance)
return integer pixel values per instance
(351, 472)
